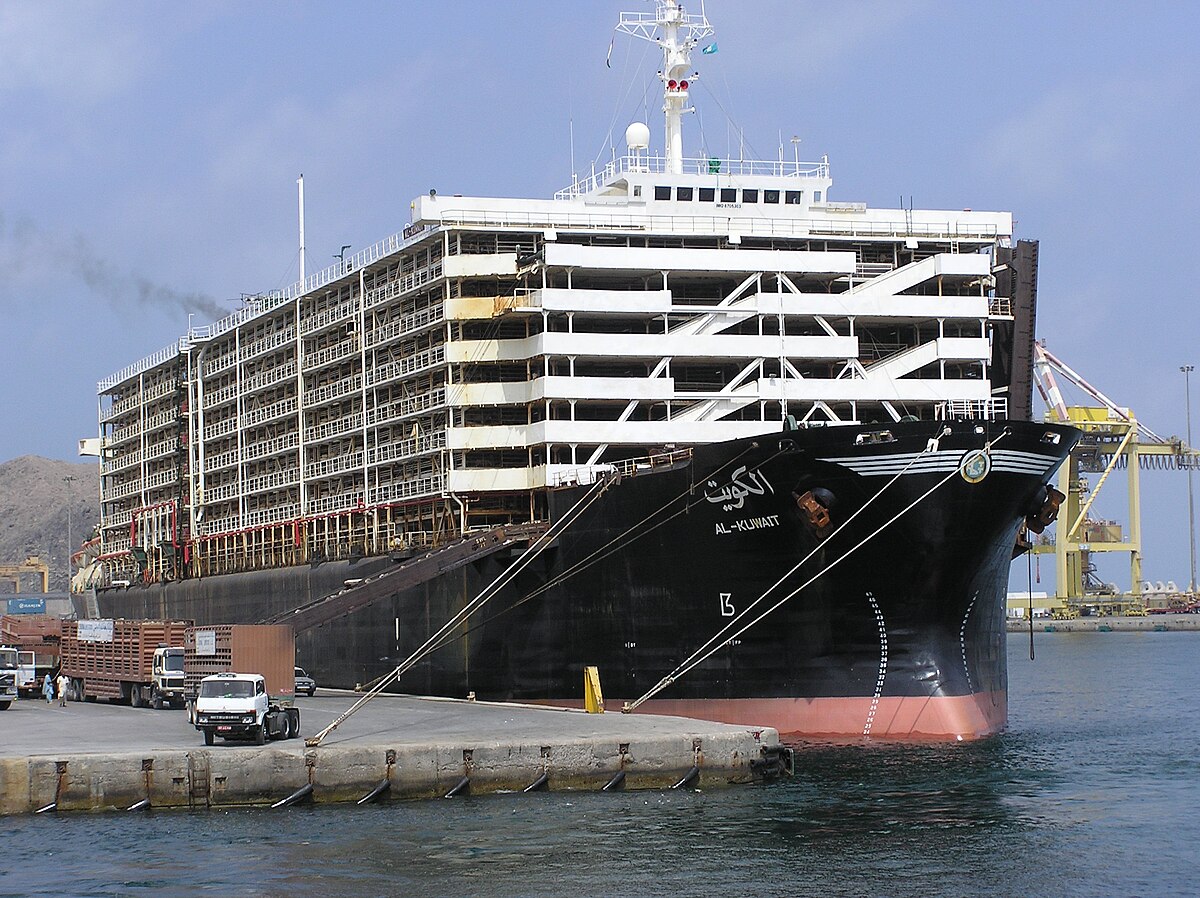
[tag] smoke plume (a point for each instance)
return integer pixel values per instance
(25, 250)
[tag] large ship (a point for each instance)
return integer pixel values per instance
(756, 454)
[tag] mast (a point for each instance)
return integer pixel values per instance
(678, 34)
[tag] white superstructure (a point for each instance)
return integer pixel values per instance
(439, 380)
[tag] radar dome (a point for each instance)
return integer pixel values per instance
(637, 136)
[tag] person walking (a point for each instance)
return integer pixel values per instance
(63, 682)
(48, 689)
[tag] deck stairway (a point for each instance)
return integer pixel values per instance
(412, 572)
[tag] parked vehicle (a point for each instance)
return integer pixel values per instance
(8, 677)
(236, 706)
(305, 683)
(135, 661)
(241, 681)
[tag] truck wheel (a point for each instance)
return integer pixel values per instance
(208, 736)
(293, 715)
(135, 697)
(260, 732)
(285, 727)
(157, 702)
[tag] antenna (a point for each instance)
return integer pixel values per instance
(678, 34)
(300, 185)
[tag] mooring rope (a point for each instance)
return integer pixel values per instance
(532, 551)
(699, 657)
(613, 545)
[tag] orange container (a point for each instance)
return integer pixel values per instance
(267, 649)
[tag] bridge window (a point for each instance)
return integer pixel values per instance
(707, 194)
(683, 194)
(749, 196)
(728, 195)
(662, 193)
(770, 196)
(816, 196)
(793, 197)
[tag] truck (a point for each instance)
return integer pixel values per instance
(240, 681)
(36, 637)
(8, 677)
(136, 662)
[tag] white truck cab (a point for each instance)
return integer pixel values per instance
(8, 677)
(236, 706)
(167, 670)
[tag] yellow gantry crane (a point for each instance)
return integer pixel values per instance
(31, 565)
(1113, 439)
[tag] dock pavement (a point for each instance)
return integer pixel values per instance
(101, 756)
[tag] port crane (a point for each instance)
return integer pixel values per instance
(1113, 439)
(31, 565)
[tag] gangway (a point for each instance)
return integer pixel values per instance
(413, 572)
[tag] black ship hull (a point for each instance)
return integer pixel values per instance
(852, 581)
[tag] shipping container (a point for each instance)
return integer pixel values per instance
(265, 649)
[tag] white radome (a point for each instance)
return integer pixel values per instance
(637, 136)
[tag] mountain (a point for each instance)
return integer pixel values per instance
(34, 500)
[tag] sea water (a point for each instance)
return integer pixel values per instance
(1093, 790)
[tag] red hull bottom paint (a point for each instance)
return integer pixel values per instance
(930, 718)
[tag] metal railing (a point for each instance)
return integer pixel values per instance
(655, 164)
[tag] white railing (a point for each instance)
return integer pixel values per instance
(406, 407)
(428, 484)
(325, 318)
(328, 467)
(338, 502)
(850, 226)
(406, 449)
(330, 354)
(119, 462)
(268, 343)
(413, 364)
(406, 325)
(329, 392)
(322, 432)
(656, 164)
(986, 409)
(627, 467)
(263, 379)
(403, 284)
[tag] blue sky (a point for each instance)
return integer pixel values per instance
(149, 152)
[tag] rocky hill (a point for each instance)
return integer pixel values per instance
(34, 502)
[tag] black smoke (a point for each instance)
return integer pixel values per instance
(25, 248)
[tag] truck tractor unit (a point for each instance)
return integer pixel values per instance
(241, 681)
(8, 677)
(138, 662)
(236, 706)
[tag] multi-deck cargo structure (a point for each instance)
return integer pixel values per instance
(468, 372)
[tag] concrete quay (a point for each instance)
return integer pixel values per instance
(97, 756)
(1151, 623)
